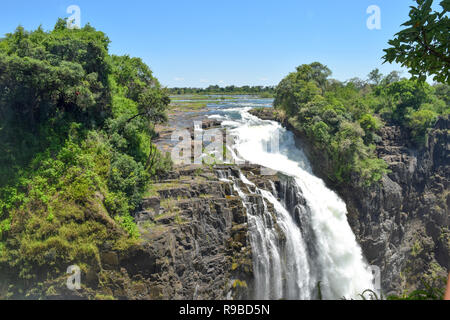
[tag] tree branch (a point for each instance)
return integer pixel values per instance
(134, 117)
(430, 49)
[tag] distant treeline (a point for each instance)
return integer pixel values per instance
(259, 90)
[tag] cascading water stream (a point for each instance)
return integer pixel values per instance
(310, 240)
(279, 255)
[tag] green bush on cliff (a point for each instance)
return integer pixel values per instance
(342, 119)
(76, 131)
(432, 289)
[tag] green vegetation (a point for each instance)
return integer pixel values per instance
(199, 97)
(424, 46)
(238, 283)
(264, 92)
(432, 288)
(429, 293)
(76, 131)
(195, 102)
(187, 106)
(342, 119)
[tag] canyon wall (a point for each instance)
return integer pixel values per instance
(402, 223)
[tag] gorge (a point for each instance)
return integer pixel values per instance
(330, 189)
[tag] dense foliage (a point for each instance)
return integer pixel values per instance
(76, 126)
(424, 45)
(342, 119)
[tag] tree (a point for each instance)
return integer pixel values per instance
(405, 96)
(301, 87)
(424, 46)
(315, 71)
(357, 82)
(392, 77)
(133, 74)
(142, 88)
(153, 103)
(293, 91)
(375, 76)
(443, 92)
(370, 125)
(419, 122)
(45, 73)
(320, 73)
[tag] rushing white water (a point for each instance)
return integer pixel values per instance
(322, 248)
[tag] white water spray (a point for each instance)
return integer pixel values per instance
(292, 268)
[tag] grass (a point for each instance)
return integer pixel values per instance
(239, 283)
(188, 106)
(169, 185)
(201, 97)
(168, 204)
(194, 102)
(151, 192)
(147, 225)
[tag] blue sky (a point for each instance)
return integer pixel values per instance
(196, 43)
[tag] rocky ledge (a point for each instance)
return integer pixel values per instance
(194, 227)
(194, 231)
(193, 241)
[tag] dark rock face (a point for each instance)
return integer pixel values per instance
(195, 239)
(402, 224)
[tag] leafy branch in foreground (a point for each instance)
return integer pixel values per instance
(424, 46)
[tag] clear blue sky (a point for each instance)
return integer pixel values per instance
(246, 42)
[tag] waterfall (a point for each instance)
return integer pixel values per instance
(306, 240)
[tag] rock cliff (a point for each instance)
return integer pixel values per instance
(193, 242)
(403, 223)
